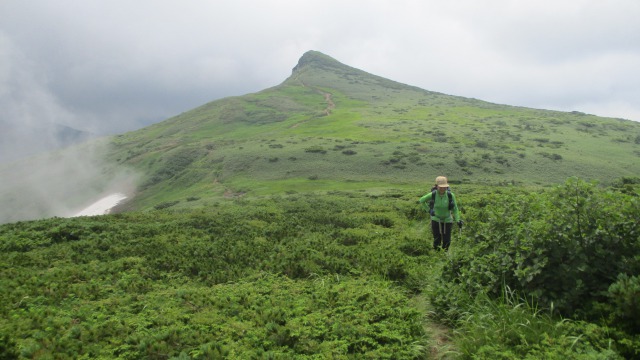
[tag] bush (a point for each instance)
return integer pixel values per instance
(316, 150)
(514, 328)
(8, 349)
(564, 248)
(166, 204)
(624, 296)
(482, 144)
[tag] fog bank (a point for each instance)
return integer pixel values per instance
(61, 183)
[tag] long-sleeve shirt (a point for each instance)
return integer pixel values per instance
(441, 207)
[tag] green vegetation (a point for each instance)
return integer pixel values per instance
(284, 225)
(342, 275)
(569, 255)
(338, 124)
(332, 127)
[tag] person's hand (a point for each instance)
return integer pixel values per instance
(460, 223)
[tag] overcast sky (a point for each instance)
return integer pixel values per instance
(110, 66)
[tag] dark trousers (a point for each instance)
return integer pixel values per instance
(441, 234)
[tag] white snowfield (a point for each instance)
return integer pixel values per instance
(102, 206)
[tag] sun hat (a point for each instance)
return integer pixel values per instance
(441, 181)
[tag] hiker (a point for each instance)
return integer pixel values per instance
(442, 206)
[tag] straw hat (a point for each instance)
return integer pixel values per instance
(441, 181)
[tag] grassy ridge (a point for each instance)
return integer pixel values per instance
(338, 124)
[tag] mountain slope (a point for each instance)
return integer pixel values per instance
(327, 127)
(330, 126)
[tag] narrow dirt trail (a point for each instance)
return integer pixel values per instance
(331, 105)
(441, 346)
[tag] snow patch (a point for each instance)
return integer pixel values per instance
(102, 206)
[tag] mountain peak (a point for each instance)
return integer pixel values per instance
(316, 59)
(317, 69)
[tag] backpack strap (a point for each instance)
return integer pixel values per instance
(432, 201)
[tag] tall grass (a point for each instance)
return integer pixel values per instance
(507, 321)
(514, 327)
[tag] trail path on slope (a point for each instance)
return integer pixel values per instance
(330, 104)
(327, 111)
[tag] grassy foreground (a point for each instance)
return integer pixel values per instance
(341, 275)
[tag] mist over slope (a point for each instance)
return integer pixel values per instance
(21, 141)
(332, 127)
(60, 183)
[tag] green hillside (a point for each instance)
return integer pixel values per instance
(284, 225)
(330, 126)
